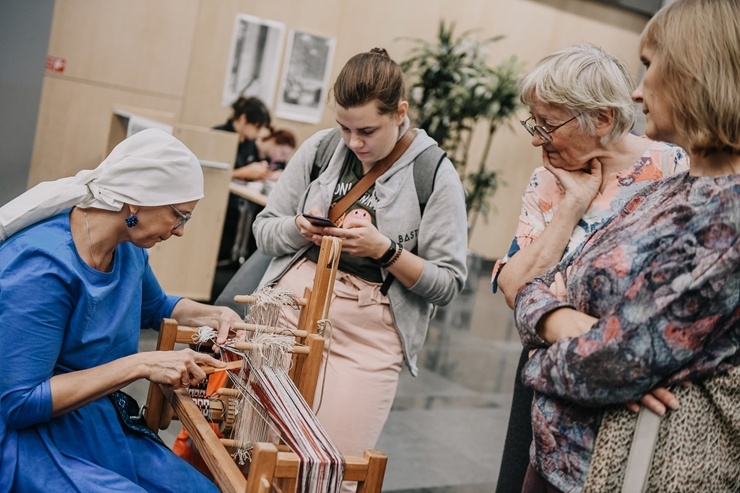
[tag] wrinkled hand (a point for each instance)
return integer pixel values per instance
(564, 322)
(657, 400)
(580, 186)
(225, 319)
(558, 287)
(178, 368)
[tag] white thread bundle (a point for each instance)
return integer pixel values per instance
(204, 334)
(269, 304)
(252, 422)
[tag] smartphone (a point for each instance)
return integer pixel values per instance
(319, 221)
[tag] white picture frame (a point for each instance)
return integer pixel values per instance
(305, 80)
(254, 58)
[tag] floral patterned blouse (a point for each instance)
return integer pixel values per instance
(663, 279)
(543, 195)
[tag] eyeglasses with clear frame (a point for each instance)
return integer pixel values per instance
(184, 218)
(542, 131)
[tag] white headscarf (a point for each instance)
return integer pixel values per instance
(150, 168)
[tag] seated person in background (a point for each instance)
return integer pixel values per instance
(652, 297)
(273, 152)
(76, 289)
(581, 115)
(249, 116)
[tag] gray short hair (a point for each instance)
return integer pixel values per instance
(584, 80)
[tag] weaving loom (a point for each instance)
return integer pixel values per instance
(299, 462)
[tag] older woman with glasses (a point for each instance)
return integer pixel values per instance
(581, 115)
(76, 289)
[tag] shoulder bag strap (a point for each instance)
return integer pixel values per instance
(641, 452)
(366, 181)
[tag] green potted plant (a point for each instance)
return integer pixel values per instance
(453, 89)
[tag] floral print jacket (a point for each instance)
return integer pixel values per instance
(663, 279)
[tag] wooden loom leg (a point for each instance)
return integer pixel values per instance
(376, 462)
(226, 473)
(307, 380)
(158, 411)
(262, 468)
(323, 283)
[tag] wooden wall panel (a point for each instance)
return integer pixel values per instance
(178, 49)
(212, 38)
(74, 124)
(140, 45)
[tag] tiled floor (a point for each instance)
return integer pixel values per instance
(445, 433)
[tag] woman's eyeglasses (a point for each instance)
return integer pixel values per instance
(542, 131)
(184, 218)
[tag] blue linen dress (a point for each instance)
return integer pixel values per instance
(58, 315)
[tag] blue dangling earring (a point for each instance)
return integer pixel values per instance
(132, 221)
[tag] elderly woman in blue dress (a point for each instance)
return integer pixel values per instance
(76, 288)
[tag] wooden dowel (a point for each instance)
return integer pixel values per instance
(185, 334)
(231, 365)
(246, 346)
(271, 330)
(248, 298)
(228, 392)
(230, 443)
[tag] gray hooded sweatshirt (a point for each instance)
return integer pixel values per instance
(440, 236)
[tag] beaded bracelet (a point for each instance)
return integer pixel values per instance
(396, 254)
(388, 255)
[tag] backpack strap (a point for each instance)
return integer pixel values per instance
(324, 152)
(424, 181)
(423, 178)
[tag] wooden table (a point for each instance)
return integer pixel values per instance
(248, 191)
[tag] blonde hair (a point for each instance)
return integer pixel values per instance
(696, 47)
(584, 80)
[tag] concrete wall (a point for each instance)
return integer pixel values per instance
(24, 38)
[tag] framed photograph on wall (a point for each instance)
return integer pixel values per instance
(254, 58)
(305, 79)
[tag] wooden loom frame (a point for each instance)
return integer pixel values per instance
(269, 462)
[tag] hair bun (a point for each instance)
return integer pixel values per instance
(381, 52)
